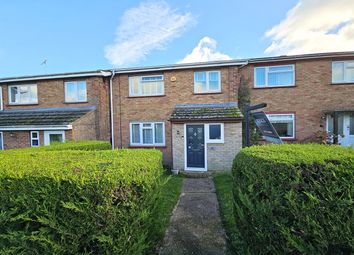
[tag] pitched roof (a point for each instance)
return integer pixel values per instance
(206, 112)
(42, 116)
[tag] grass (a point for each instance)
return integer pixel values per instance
(166, 202)
(223, 187)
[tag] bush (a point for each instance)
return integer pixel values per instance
(295, 199)
(78, 202)
(69, 145)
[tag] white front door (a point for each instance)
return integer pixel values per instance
(54, 136)
(348, 131)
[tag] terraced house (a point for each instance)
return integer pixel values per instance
(188, 111)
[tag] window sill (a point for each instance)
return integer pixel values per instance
(342, 83)
(207, 93)
(81, 102)
(12, 104)
(147, 146)
(146, 96)
(275, 87)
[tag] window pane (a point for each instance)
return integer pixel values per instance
(260, 76)
(282, 78)
(283, 124)
(55, 138)
(147, 136)
(35, 143)
(351, 125)
(349, 73)
(214, 132)
(70, 91)
(135, 133)
(134, 85)
(158, 133)
(341, 125)
(34, 135)
(82, 91)
(33, 94)
(14, 95)
(338, 72)
(280, 68)
(214, 81)
(330, 124)
(200, 82)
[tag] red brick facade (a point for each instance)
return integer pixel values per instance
(312, 94)
(159, 108)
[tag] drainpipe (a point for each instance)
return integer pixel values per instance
(111, 107)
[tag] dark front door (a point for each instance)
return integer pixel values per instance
(195, 146)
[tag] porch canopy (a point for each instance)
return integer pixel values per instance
(42, 117)
(224, 112)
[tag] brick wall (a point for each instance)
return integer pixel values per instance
(22, 139)
(219, 156)
(159, 108)
(85, 127)
(313, 94)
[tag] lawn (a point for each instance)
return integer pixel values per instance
(223, 186)
(165, 204)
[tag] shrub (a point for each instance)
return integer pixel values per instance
(77, 202)
(69, 145)
(295, 199)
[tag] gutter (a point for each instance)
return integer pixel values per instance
(31, 128)
(113, 73)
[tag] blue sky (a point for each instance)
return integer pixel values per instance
(88, 35)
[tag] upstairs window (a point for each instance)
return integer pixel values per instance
(23, 94)
(207, 82)
(274, 76)
(75, 91)
(152, 85)
(147, 133)
(284, 124)
(343, 72)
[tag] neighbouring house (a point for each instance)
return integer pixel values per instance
(38, 110)
(188, 111)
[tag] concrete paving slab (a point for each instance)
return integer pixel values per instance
(195, 224)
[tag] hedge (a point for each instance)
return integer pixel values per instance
(295, 199)
(78, 202)
(69, 145)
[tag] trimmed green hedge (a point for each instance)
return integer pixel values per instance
(69, 145)
(295, 199)
(78, 202)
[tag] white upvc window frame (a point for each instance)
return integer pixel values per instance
(294, 124)
(208, 90)
(35, 139)
(266, 85)
(2, 141)
(141, 84)
(345, 66)
(20, 103)
(208, 140)
(1, 100)
(77, 100)
(141, 128)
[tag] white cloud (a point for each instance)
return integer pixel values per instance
(314, 26)
(145, 28)
(205, 51)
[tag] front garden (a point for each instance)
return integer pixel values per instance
(82, 198)
(289, 199)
